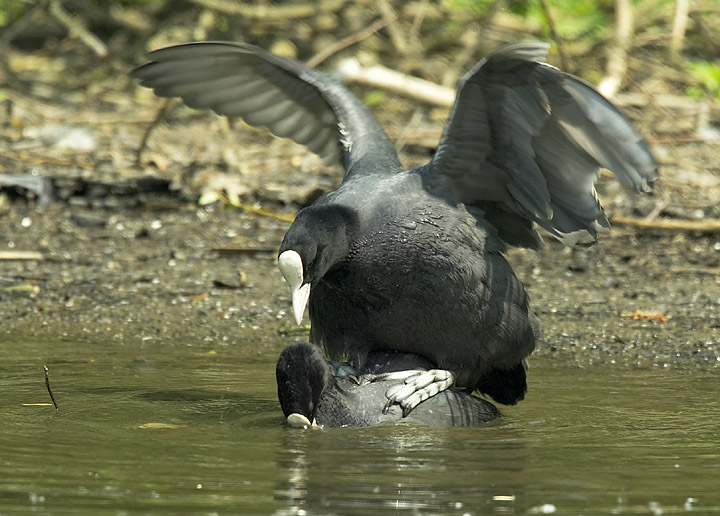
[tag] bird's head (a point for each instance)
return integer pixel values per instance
(302, 376)
(318, 241)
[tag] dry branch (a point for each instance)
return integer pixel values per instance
(702, 226)
(350, 40)
(682, 8)
(396, 35)
(77, 28)
(272, 12)
(382, 77)
(617, 53)
(21, 255)
(715, 271)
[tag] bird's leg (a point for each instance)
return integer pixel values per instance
(417, 388)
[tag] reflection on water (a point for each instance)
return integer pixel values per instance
(173, 428)
(352, 471)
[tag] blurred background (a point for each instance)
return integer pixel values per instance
(68, 105)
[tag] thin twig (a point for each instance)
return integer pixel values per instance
(659, 207)
(47, 384)
(159, 117)
(396, 35)
(350, 40)
(24, 157)
(240, 251)
(267, 11)
(77, 28)
(703, 226)
(257, 210)
(715, 271)
(418, 19)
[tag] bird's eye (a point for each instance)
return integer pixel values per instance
(309, 265)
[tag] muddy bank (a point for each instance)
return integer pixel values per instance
(207, 276)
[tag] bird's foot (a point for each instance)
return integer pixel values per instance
(417, 386)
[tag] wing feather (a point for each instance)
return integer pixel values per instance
(235, 79)
(525, 138)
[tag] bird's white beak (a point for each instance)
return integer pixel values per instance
(291, 267)
(296, 420)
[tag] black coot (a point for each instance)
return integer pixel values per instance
(412, 261)
(312, 389)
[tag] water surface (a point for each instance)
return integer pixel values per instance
(180, 427)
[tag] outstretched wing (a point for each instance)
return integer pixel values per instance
(525, 142)
(282, 94)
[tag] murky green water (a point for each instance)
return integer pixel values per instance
(153, 427)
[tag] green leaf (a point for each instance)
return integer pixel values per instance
(708, 74)
(374, 98)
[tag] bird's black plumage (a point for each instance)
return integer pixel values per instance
(325, 392)
(412, 261)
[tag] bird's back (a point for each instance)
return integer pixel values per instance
(431, 280)
(360, 405)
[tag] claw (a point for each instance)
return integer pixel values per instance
(418, 387)
(399, 392)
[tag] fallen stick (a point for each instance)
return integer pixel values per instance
(238, 251)
(21, 255)
(379, 76)
(272, 12)
(382, 77)
(703, 226)
(715, 271)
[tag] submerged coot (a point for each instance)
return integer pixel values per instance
(312, 389)
(412, 261)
